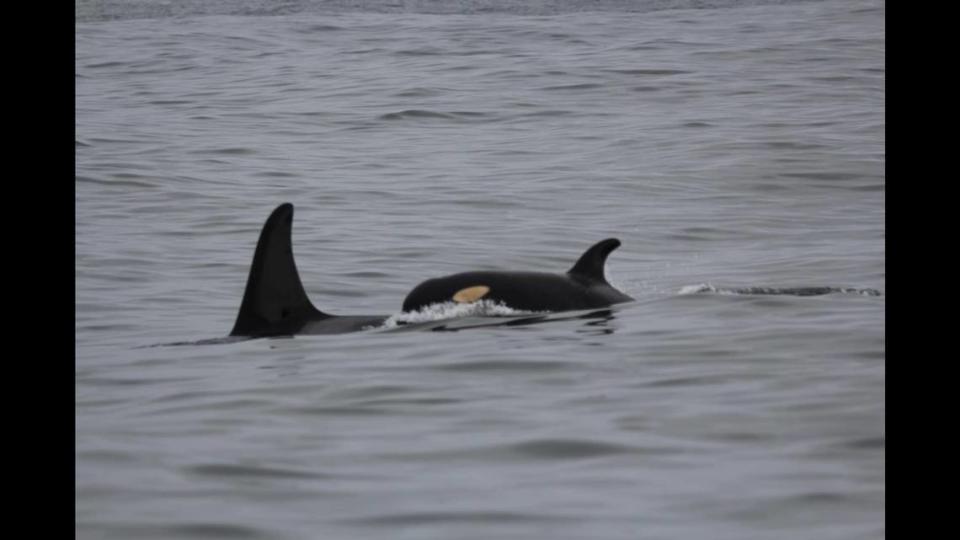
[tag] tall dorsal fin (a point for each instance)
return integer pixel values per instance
(591, 263)
(274, 302)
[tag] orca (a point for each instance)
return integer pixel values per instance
(276, 304)
(584, 286)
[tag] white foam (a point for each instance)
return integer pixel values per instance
(698, 288)
(451, 310)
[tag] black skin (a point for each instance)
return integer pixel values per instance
(276, 304)
(583, 287)
(526, 291)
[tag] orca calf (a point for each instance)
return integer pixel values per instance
(583, 287)
(276, 304)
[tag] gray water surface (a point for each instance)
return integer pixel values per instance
(729, 147)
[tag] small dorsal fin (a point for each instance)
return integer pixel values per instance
(590, 264)
(274, 302)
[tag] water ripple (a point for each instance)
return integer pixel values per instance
(503, 366)
(453, 517)
(217, 470)
(418, 114)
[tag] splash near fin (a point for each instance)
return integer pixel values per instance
(274, 302)
(470, 294)
(591, 263)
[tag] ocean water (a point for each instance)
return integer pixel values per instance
(735, 148)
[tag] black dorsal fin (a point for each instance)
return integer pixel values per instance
(274, 302)
(591, 263)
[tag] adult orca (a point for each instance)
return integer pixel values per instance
(276, 304)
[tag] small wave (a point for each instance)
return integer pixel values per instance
(226, 151)
(105, 65)
(580, 86)
(209, 341)
(502, 366)
(788, 291)
(479, 517)
(418, 92)
(219, 470)
(170, 102)
(321, 28)
(187, 530)
(427, 51)
(424, 114)
(537, 449)
(569, 449)
(215, 530)
(698, 288)
(648, 71)
(140, 529)
(547, 113)
(112, 183)
(826, 176)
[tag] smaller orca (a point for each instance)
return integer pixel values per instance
(583, 287)
(276, 304)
